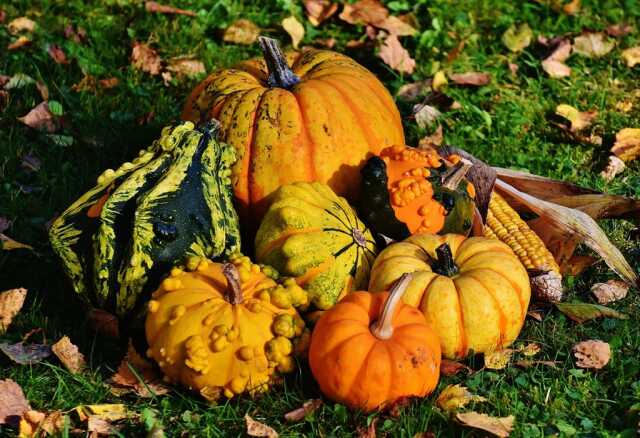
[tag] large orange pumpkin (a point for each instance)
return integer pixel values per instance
(474, 292)
(370, 350)
(311, 116)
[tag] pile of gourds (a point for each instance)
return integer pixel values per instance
(297, 137)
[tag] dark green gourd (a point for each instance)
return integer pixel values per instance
(174, 200)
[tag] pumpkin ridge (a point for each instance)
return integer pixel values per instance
(309, 142)
(523, 308)
(364, 363)
(276, 244)
(249, 149)
(359, 117)
(463, 334)
(502, 322)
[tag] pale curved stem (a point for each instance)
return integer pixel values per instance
(383, 327)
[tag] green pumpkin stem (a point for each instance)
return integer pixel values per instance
(383, 327)
(280, 75)
(452, 179)
(444, 265)
(233, 294)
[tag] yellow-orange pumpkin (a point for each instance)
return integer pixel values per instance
(474, 292)
(370, 350)
(312, 116)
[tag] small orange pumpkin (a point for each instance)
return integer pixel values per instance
(370, 350)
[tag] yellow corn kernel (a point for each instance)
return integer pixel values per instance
(506, 225)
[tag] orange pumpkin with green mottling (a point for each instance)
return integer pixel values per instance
(310, 116)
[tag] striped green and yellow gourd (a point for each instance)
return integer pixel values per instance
(173, 200)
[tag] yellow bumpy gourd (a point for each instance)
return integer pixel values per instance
(225, 328)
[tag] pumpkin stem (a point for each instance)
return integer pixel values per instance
(452, 179)
(280, 75)
(383, 327)
(444, 265)
(233, 294)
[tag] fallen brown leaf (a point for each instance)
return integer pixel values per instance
(592, 354)
(294, 28)
(256, 428)
(451, 367)
(108, 83)
(572, 8)
(38, 424)
(620, 29)
(592, 45)
(57, 54)
(497, 360)
(554, 63)
(4, 100)
(579, 119)
(7, 243)
(517, 37)
(529, 350)
(22, 41)
(582, 312)
(241, 32)
(186, 66)
(432, 141)
(329, 43)
(104, 323)
(300, 413)
(3, 15)
(471, 78)
(364, 12)
(455, 397)
(631, 56)
(11, 301)
(612, 290)
(319, 10)
(425, 115)
(164, 9)
(99, 426)
(25, 354)
(577, 264)
(41, 118)
(498, 426)
(69, 355)
(627, 145)
(13, 403)
(43, 90)
(513, 68)
(369, 431)
(21, 24)
(624, 106)
(125, 380)
(396, 56)
(615, 166)
(396, 26)
(78, 35)
(145, 58)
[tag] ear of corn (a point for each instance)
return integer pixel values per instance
(505, 224)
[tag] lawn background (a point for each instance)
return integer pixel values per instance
(505, 123)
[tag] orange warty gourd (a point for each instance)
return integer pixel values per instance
(370, 350)
(224, 328)
(310, 116)
(474, 291)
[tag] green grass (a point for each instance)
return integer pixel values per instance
(505, 123)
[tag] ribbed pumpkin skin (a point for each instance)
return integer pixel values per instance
(357, 369)
(174, 200)
(322, 129)
(208, 344)
(315, 236)
(482, 308)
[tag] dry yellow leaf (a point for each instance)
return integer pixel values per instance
(631, 56)
(19, 43)
(497, 360)
(499, 426)
(439, 80)
(627, 145)
(572, 8)
(21, 24)
(529, 350)
(592, 45)
(186, 66)
(11, 301)
(43, 424)
(69, 355)
(455, 397)
(592, 354)
(241, 32)
(107, 412)
(256, 428)
(295, 29)
(579, 119)
(145, 58)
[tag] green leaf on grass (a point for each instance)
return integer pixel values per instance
(55, 108)
(581, 312)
